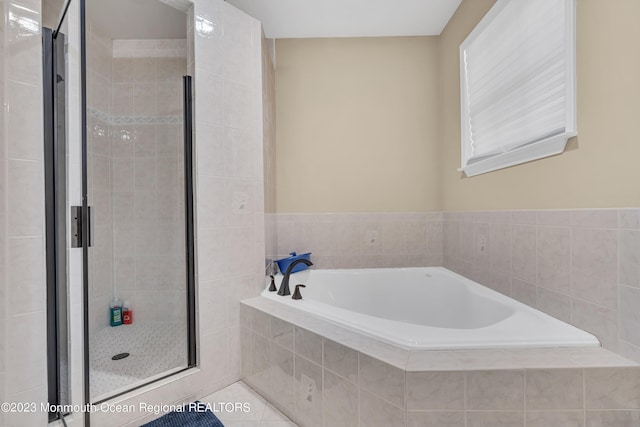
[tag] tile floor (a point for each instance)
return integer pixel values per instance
(261, 413)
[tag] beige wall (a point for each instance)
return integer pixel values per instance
(600, 169)
(361, 123)
(357, 125)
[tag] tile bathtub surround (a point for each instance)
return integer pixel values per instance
(347, 387)
(363, 240)
(581, 266)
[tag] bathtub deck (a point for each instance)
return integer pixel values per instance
(442, 360)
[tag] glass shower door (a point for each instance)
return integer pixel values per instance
(138, 190)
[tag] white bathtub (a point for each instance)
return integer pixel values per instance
(427, 308)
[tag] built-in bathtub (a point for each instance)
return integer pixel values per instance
(428, 308)
(424, 346)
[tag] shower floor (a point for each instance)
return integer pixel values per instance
(154, 349)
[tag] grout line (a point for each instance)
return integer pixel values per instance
(510, 257)
(322, 406)
(465, 404)
(618, 285)
(293, 382)
(373, 393)
(332, 372)
(405, 400)
(524, 395)
(593, 303)
(536, 266)
(358, 389)
(584, 396)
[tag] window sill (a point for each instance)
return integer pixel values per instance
(545, 148)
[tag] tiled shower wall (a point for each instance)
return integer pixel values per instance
(22, 274)
(136, 176)
(148, 177)
(580, 266)
(99, 190)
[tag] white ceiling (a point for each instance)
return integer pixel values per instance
(153, 19)
(137, 19)
(349, 18)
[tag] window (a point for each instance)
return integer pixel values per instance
(517, 70)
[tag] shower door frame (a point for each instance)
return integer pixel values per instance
(54, 75)
(190, 305)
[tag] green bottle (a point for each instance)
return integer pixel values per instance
(115, 309)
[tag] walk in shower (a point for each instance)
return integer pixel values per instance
(138, 189)
(119, 195)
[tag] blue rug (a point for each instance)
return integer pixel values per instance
(194, 415)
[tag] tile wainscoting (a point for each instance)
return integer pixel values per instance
(363, 240)
(318, 381)
(580, 266)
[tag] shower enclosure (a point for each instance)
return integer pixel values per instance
(137, 187)
(119, 196)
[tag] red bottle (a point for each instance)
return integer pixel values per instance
(127, 314)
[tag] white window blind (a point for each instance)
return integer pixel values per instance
(517, 81)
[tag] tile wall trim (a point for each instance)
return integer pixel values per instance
(132, 119)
